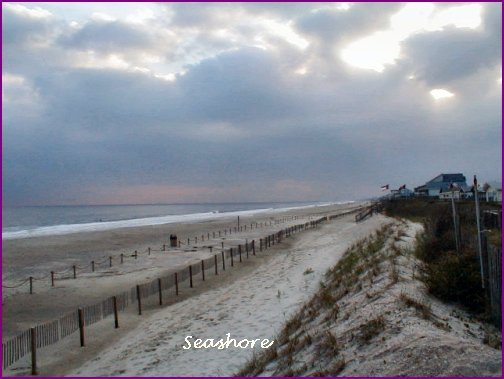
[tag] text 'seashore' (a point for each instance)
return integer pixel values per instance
(225, 344)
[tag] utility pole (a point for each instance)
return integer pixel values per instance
(479, 230)
(457, 242)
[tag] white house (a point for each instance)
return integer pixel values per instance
(493, 191)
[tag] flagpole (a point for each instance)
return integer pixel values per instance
(479, 230)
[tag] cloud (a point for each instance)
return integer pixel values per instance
(237, 121)
(110, 36)
(335, 26)
(443, 57)
(22, 25)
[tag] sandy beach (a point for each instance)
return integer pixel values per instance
(41, 255)
(255, 305)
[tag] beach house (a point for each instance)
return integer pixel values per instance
(401, 192)
(440, 184)
(493, 191)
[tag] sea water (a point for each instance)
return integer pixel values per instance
(24, 222)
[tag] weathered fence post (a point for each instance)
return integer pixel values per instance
(116, 314)
(74, 272)
(81, 327)
(215, 264)
(253, 247)
(260, 244)
(92, 266)
(148, 250)
(223, 261)
(176, 284)
(231, 254)
(139, 299)
(122, 257)
(33, 335)
(160, 292)
(247, 247)
(31, 285)
(136, 254)
(110, 261)
(52, 278)
(203, 270)
(190, 276)
(239, 252)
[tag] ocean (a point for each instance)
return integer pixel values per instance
(33, 221)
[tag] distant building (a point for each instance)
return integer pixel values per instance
(493, 191)
(403, 192)
(456, 194)
(441, 184)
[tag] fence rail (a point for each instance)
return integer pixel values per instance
(51, 332)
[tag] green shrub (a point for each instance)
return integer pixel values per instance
(456, 277)
(451, 276)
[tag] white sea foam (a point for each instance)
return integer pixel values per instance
(101, 226)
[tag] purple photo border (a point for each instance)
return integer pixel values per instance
(280, 1)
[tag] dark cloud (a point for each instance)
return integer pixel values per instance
(445, 56)
(333, 26)
(19, 29)
(108, 37)
(242, 123)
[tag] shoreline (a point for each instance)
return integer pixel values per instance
(336, 234)
(21, 232)
(39, 256)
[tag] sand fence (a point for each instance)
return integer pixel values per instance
(141, 295)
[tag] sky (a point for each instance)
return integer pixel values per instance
(137, 103)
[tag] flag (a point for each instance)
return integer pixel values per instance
(385, 187)
(402, 187)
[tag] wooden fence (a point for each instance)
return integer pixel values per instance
(106, 262)
(492, 276)
(51, 332)
(368, 211)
